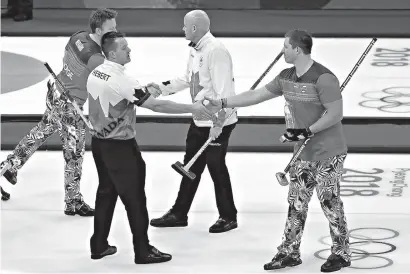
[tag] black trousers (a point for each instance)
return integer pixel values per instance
(214, 158)
(121, 172)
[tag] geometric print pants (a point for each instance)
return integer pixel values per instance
(62, 117)
(325, 175)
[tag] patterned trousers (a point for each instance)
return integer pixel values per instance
(325, 175)
(60, 116)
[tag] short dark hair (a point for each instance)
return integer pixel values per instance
(108, 41)
(301, 39)
(99, 16)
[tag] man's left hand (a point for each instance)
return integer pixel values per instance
(296, 134)
(154, 89)
(200, 112)
(214, 105)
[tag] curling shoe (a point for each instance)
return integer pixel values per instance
(282, 260)
(334, 263)
(152, 257)
(111, 250)
(5, 196)
(223, 225)
(79, 208)
(170, 219)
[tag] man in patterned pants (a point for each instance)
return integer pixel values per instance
(82, 54)
(309, 89)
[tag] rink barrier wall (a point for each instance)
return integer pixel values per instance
(252, 134)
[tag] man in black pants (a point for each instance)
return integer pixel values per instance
(209, 73)
(121, 169)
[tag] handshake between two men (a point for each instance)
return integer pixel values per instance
(290, 135)
(201, 110)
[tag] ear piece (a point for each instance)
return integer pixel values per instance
(298, 50)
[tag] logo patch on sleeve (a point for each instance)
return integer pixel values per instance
(79, 45)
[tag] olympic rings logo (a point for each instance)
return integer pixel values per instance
(393, 100)
(367, 247)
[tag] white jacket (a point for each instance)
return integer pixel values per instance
(209, 73)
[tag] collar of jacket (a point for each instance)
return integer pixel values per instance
(202, 42)
(114, 64)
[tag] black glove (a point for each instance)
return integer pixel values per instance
(296, 134)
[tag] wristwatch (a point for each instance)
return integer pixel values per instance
(223, 103)
(309, 132)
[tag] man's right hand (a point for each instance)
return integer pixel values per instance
(200, 112)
